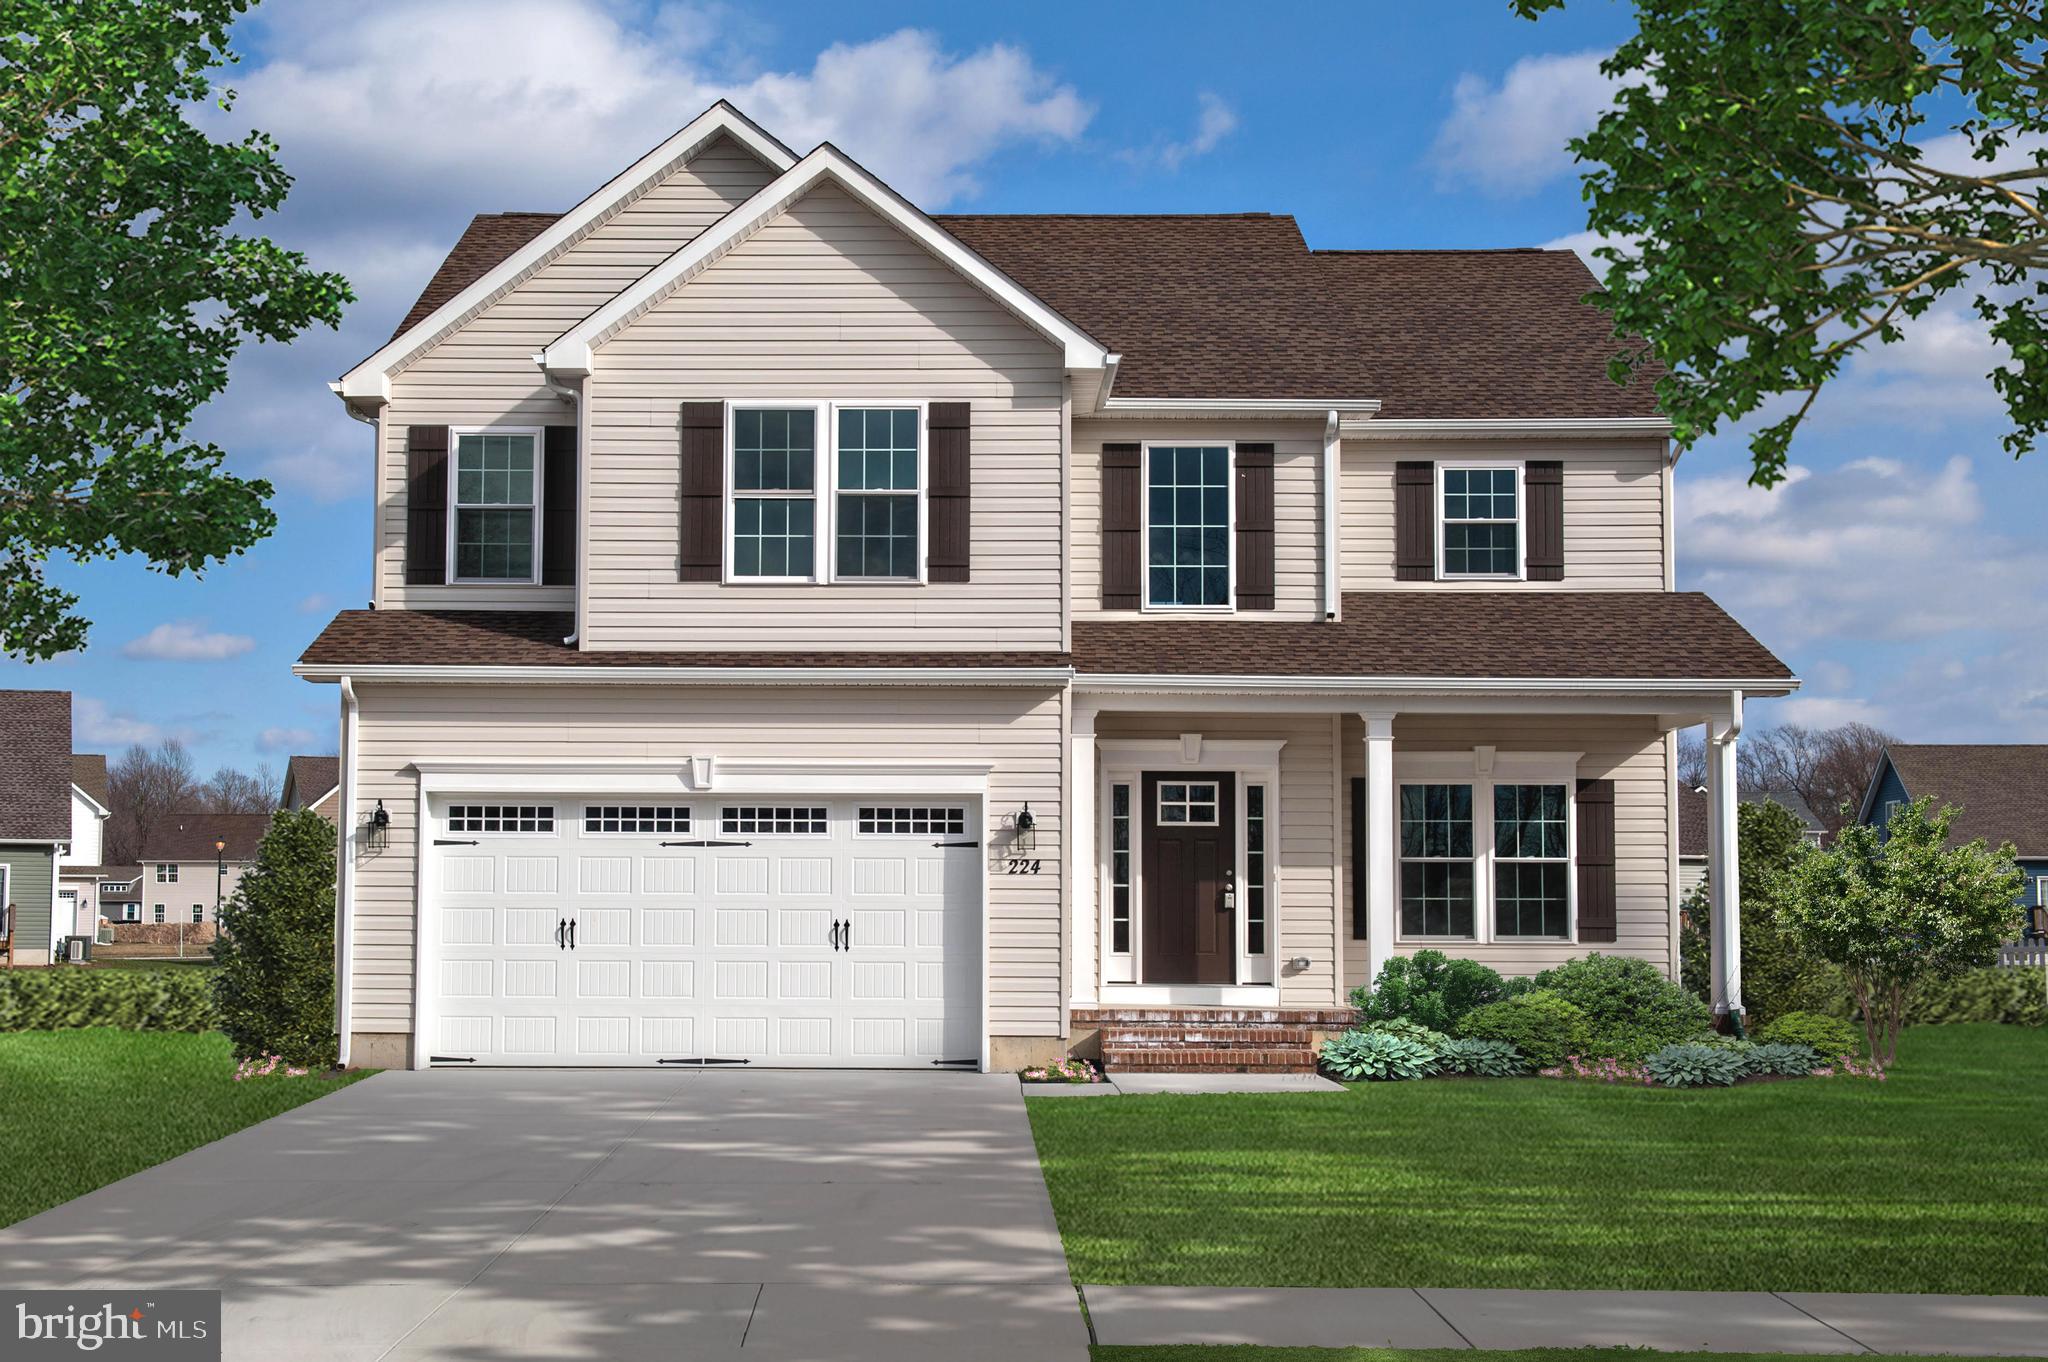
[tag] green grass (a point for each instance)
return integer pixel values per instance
(1183, 1352)
(1932, 1181)
(80, 1109)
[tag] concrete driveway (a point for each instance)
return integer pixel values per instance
(588, 1214)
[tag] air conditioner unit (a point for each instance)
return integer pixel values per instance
(77, 949)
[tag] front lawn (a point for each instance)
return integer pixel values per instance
(80, 1109)
(1930, 1182)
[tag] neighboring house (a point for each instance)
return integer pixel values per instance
(192, 862)
(37, 801)
(121, 894)
(812, 632)
(1692, 828)
(2001, 788)
(313, 783)
(79, 871)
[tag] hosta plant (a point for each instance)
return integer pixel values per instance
(1782, 1059)
(1481, 1058)
(1377, 1056)
(1690, 1065)
(1406, 1029)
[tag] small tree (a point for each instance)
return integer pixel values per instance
(275, 987)
(1779, 974)
(1898, 911)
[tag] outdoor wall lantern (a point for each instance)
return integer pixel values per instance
(377, 827)
(1026, 839)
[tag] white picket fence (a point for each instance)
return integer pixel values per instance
(2024, 955)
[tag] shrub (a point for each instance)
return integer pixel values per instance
(2013, 996)
(1630, 1008)
(1430, 1040)
(1481, 1058)
(1792, 1061)
(65, 999)
(1377, 1055)
(275, 990)
(1543, 1026)
(1830, 1036)
(1430, 988)
(1692, 1065)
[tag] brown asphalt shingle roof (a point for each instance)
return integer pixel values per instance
(489, 238)
(2002, 788)
(35, 765)
(1692, 815)
(89, 773)
(312, 777)
(190, 836)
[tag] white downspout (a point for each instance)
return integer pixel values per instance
(575, 399)
(1333, 450)
(345, 901)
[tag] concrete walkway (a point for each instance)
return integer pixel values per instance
(1672, 1321)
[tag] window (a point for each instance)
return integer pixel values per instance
(1254, 870)
(501, 818)
(1530, 847)
(1192, 802)
(913, 822)
(775, 497)
(167, 874)
(132, 913)
(159, 914)
(877, 493)
(1436, 860)
(1891, 809)
(1482, 532)
(800, 822)
(495, 504)
(198, 912)
(1120, 869)
(606, 818)
(1187, 525)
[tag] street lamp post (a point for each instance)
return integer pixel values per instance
(220, 876)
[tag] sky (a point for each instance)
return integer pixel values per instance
(1900, 569)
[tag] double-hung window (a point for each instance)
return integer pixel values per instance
(1531, 861)
(495, 525)
(1187, 526)
(774, 493)
(876, 506)
(166, 874)
(790, 525)
(1487, 855)
(1481, 521)
(1436, 860)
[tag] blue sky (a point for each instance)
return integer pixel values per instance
(1901, 571)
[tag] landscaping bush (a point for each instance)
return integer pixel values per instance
(1377, 1055)
(275, 991)
(1428, 1038)
(1630, 1008)
(1542, 1025)
(1829, 1036)
(66, 999)
(1693, 1065)
(1429, 988)
(1791, 1061)
(2013, 996)
(1481, 1058)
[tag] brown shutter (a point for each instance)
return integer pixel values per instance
(1543, 484)
(701, 551)
(1414, 521)
(1255, 527)
(1360, 916)
(558, 508)
(1122, 563)
(950, 497)
(426, 505)
(1596, 861)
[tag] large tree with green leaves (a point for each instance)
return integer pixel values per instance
(1786, 181)
(125, 290)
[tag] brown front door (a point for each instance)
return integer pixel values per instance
(1190, 878)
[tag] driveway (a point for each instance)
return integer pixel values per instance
(578, 1214)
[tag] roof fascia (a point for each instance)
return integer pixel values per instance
(698, 676)
(1409, 428)
(1884, 763)
(1307, 408)
(371, 379)
(98, 808)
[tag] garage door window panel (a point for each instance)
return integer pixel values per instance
(601, 820)
(776, 820)
(502, 819)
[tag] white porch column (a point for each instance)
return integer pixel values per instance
(1724, 874)
(1082, 875)
(1379, 842)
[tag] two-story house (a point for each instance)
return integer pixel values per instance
(809, 631)
(2001, 790)
(53, 809)
(191, 864)
(312, 783)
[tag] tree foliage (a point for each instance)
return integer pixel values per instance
(1786, 182)
(274, 990)
(1901, 909)
(1830, 768)
(1779, 974)
(124, 294)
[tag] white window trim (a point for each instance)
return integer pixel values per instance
(455, 508)
(167, 872)
(1189, 802)
(1521, 572)
(447, 820)
(1482, 769)
(157, 915)
(198, 914)
(825, 490)
(1145, 602)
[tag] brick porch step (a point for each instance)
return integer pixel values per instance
(1154, 1034)
(1321, 1018)
(1289, 1059)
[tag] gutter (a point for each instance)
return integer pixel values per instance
(699, 676)
(344, 903)
(1333, 450)
(1112, 682)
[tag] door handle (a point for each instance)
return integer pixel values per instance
(846, 935)
(561, 927)
(835, 933)
(572, 933)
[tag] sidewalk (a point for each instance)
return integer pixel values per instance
(1672, 1321)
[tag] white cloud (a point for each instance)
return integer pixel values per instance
(314, 604)
(1509, 139)
(187, 641)
(1214, 121)
(286, 739)
(94, 723)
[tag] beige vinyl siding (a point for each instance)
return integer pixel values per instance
(1297, 506)
(1017, 730)
(826, 302)
(1692, 873)
(483, 373)
(1627, 750)
(1304, 884)
(1613, 510)
(195, 886)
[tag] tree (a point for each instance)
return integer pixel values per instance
(124, 294)
(233, 791)
(1779, 974)
(1777, 205)
(1827, 767)
(1899, 910)
(274, 991)
(145, 785)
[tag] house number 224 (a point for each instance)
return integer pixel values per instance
(1018, 866)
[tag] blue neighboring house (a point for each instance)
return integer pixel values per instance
(2001, 788)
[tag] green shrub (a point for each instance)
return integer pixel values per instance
(1793, 1061)
(1693, 1065)
(1829, 1036)
(1377, 1055)
(66, 999)
(1630, 1008)
(1429, 1039)
(1481, 1058)
(1543, 1026)
(275, 990)
(1430, 988)
(2016, 997)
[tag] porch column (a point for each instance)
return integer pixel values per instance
(1081, 869)
(1724, 873)
(1379, 844)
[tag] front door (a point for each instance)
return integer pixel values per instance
(1190, 879)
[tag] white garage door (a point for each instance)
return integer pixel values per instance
(806, 932)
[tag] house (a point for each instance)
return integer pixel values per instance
(312, 783)
(1692, 828)
(121, 894)
(809, 631)
(36, 805)
(191, 863)
(2000, 788)
(79, 871)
